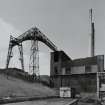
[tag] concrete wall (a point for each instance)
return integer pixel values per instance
(82, 69)
(81, 82)
(62, 62)
(77, 69)
(94, 68)
(100, 62)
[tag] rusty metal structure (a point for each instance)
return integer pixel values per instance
(34, 35)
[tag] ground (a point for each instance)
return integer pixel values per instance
(88, 99)
(15, 87)
(54, 101)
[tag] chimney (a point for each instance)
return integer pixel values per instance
(92, 35)
(92, 39)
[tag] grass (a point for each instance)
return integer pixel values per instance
(14, 87)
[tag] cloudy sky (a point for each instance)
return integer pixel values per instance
(65, 22)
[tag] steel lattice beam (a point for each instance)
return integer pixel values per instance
(35, 35)
(10, 53)
(34, 59)
(20, 47)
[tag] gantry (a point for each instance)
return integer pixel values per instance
(35, 35)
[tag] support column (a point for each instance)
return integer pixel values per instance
(20, 47)
(9, 53)
(34, 59)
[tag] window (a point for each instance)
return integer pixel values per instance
(87, 68)
(55, 70)
(63, 71)
(56, 56)
(67, 70)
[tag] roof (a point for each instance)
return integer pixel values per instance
(65, 57)
(86, 61)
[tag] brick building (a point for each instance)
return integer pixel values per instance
(78, 73)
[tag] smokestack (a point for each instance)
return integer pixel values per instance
(92, 35)
(92, 40)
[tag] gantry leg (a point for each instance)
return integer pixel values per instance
(34, 59)
(20, 47)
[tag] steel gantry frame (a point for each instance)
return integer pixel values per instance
(35, 35)
(10, 52)
(34, 58)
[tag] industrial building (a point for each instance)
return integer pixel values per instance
(80, 74)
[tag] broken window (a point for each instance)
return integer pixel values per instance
(63, 71)
(68, 71)
(56, 56)
(55, 70)
(87, 68)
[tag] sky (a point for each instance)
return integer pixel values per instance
(65, 22)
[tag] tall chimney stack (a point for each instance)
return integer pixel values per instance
(92, 35)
